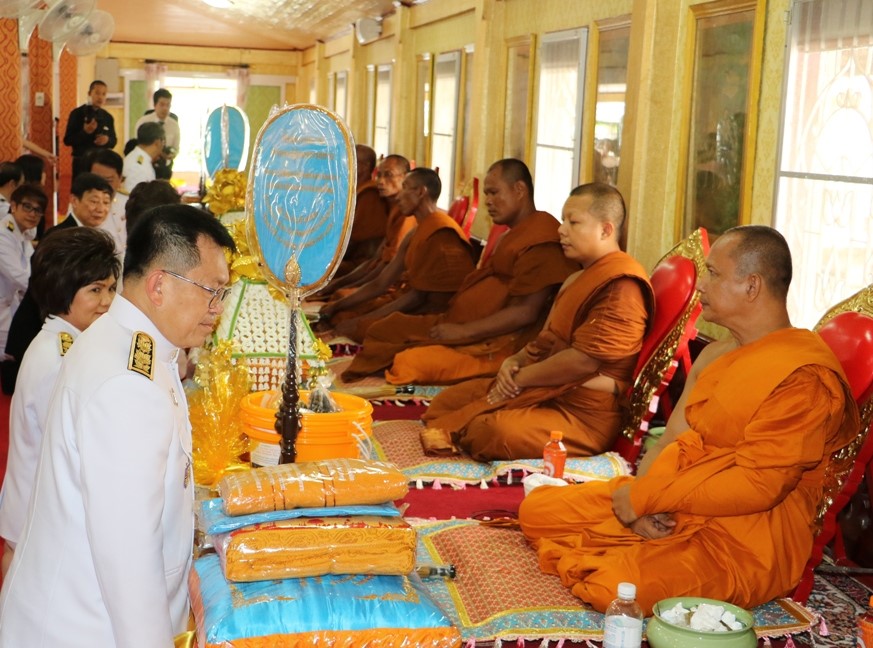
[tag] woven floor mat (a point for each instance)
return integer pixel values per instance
(398, 442)
(500, 594)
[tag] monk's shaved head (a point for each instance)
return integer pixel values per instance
(606, 202)
(763, 251)
(512, 171)
(427, 178)
(366, 159)
(397, 161)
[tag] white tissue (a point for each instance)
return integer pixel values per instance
(538, 479)
(707, 618)
(704, 618)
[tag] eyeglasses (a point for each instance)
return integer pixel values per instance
(218, 294)
(30, 208)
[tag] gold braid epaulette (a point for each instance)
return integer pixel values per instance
(65, 341)
(142, 355)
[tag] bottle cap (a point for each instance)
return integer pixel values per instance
(627, 591)
(557, 435)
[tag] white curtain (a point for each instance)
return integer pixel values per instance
(154, 73)
(824, 203)
(241, 74)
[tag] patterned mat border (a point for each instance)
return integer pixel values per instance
(567, 623)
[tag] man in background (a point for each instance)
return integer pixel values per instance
(138, 164)
(90, 127)
(163, 100)
(11, 176)
(109, 165)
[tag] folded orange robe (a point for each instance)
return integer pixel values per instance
(743, 484)
(330, 482)
(362, 544)
(527, 260)
(602, 313)
(437, 260)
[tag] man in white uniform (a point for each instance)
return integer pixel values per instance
(11, 177)
(106, 548)
(138, 163)
(109, 165)
(17, 229)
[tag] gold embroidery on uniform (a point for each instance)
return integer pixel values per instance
(66, 341)
(142, 351)
(10, 226)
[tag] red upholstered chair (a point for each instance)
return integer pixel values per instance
(458, 209)
(847, 328)
(493, 237)
(470, 217)
(677, 307)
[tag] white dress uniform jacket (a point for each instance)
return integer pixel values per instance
(106, 548)
(116, 223)
(36, 379)
(15, 252)
(137, 168)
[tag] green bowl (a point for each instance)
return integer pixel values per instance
(663, 634)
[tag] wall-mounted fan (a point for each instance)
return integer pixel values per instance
(93, 35)
(17, 8)
(64, 19)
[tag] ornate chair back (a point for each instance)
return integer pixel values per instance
(458, 209)
(847, 328)
(493, 238)
(470, 218)
(676, 310)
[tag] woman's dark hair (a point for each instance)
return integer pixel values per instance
(66, 260)
(32, 166)
(147, 195)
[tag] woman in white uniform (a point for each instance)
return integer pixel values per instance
(74, 274)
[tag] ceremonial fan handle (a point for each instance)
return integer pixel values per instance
(288, 417)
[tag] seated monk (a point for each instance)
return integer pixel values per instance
(371, 214)
(573, 375)
(723, 506)
(496, 311)
(431, 262)
(389, 181)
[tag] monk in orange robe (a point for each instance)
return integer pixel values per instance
(496, 311)
(723, 506)
(389, 182)
(431, 262)
(572, 376)
(371, 213)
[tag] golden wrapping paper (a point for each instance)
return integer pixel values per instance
(303, 547)
(331, 482)
(213, 408)
(227, 192)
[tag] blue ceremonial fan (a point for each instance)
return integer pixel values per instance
(301, 195)
(300, 204)
(225, 140)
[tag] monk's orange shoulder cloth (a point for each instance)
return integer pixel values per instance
(398, 227)
(438, 257)
(371, 214)
(568, 312)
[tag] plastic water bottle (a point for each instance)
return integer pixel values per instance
(623, 626)
(865, 627)
(554, 456)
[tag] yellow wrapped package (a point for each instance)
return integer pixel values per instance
(317, 546)
(330, 482)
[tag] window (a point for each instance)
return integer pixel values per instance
(559, 117)
(720, 104)
(465, 159)
(193, 99)
(446, 82)
(609, 110)
(338, 96)
(825, 175)
(517, 99)
(379, 108)
(424, 72)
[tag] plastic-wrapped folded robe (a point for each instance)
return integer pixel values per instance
(313, 546)
(330, 482)
(332, 611)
